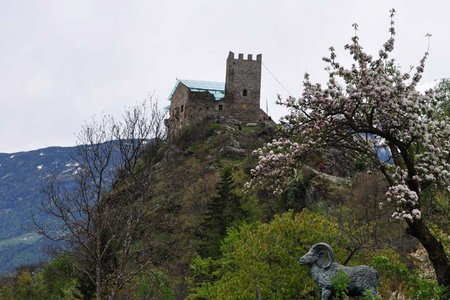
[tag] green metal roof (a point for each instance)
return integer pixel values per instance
(215, 88)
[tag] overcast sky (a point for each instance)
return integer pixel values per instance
(63, 61)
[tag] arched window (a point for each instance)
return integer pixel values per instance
(244, 93)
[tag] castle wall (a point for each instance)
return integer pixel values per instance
(177, 112)
(189, 107)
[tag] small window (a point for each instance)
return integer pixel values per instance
(220, 107)
(244, 93)
(182, 108)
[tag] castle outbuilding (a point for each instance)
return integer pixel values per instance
(236, 101)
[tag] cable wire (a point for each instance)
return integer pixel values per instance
(276, 79)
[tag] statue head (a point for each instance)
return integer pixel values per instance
(320, 254)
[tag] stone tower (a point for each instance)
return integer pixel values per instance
(243, 80)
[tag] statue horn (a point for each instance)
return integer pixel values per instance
(330, 253)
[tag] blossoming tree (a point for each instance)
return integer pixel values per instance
(369, 107)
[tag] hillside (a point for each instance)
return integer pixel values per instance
(197, 260)
(206, 237)
(193, 164)
(23, 176)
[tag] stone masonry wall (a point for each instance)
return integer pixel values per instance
(243, 79)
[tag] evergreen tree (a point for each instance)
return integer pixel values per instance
(223, 209)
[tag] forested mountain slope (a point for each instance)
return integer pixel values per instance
(23, 178)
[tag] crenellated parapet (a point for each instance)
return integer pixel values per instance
(241, 56)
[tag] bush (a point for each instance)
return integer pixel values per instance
(153, 286)
(340, 284)
(195, 133)
(416, 288)
(265, 257)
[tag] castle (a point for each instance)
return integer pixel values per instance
(236, 101)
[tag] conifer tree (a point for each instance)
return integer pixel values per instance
(223, 210)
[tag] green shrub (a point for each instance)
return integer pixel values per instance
(417, 288)
(195, 133)
(340, 283)
(153, 286)
(265, 257)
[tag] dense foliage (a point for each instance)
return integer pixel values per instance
(265, 257)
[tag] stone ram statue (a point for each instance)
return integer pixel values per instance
(363, 279)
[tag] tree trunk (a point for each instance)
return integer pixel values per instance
(98, 266)
(435, 250)
(98, 290)
(258, 293)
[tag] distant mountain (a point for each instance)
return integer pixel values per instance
(23, 176)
